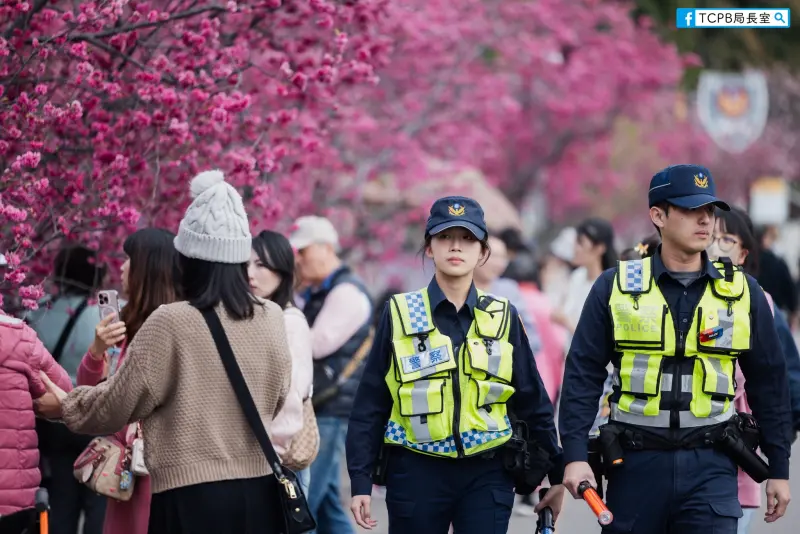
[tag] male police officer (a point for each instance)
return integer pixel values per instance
(674, 325)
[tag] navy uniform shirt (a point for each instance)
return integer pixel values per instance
(373, 402)
(764, 367)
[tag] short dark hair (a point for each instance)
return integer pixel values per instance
(513, 240)
(206, 284)
(77, 270)
(737, 222)
(523, 268)
(153, 275)
(663, 205)
(276, 254)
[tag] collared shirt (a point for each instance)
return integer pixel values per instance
(373, 402)
(592, 349)
(344, 312)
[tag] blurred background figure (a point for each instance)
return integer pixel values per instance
(65, 322)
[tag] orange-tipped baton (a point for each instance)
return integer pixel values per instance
(599, 508)
(43, 509)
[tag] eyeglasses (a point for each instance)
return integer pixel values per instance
(724, 242)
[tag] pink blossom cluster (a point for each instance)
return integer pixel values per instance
(109, 107)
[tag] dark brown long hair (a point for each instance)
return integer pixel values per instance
(153, 275)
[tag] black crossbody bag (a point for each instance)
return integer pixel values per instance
(296, 515)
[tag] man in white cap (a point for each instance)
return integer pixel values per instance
(338, 308)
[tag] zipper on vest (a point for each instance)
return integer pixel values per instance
(680, 351)
(457, 405)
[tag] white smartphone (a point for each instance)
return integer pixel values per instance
(108, 303)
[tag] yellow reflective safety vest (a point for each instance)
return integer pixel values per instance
(449, 401)
(674, 379)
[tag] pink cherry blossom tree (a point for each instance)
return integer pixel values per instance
(109, 107)
(526, 91)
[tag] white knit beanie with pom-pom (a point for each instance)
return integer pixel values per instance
(215, 227)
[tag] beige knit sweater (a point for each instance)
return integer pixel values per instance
(173, 381)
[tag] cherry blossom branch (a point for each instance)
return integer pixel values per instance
(126, 29)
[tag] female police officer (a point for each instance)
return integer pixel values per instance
(447, 364)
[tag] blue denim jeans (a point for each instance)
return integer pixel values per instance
(744, 522)
(323, 497)
(304, 479)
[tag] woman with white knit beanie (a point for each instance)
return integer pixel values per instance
(208, 473)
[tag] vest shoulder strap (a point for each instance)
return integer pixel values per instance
(733, 284)
(635, 276)
(413, 309)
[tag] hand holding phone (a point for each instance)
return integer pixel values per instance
(110, 331)
(108, 303)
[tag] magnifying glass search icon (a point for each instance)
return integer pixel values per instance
(779, 18)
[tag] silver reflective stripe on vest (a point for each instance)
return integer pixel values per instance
(686, 419)
(419, 404)
(638, 406)
(638, 372)
(722, 380)
(686, 383)
(494, 356)
(491, 424)
(725, 341)
(494, 393)
(666, 382)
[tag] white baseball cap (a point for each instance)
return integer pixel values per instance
(313, 229)
(563, 246)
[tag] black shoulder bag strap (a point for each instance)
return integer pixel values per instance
(62, 339)
(292, 501)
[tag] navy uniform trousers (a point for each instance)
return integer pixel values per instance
(425, 494)
(687, 491)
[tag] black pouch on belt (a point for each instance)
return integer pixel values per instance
(736, 443)
(379, 471)
(523, 458)
(610, 446)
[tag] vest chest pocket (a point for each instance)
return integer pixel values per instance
(422, 404)
(492, 392)
(490, 409)
(640, 374)
(716, 376)
(723, 330)
(640, 383)
(713, 389)
(639, 328)
(491, 356)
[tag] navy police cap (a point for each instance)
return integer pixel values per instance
(451, 212)
(685, 186)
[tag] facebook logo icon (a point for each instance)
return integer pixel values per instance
(685, 18)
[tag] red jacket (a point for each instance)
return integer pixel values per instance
(22, 356)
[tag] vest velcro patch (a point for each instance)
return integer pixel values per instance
(425, 360)
(418, 315)
(634, 281)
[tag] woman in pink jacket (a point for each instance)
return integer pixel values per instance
(22, 357)
(150, 277)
